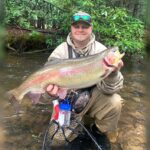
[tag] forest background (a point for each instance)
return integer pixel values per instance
(40, 25)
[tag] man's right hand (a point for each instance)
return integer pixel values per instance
(55, 91)
(52, 90)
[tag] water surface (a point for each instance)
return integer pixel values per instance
(26, 131)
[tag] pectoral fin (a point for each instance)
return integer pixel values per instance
(35, 97)
(53, 61)
(15, 104)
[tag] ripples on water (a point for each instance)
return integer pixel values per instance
(26, 131)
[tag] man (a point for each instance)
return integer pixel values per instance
(104, 105)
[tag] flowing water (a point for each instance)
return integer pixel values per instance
(26, 131)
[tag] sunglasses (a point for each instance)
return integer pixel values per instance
(81, 17)
(77, 26)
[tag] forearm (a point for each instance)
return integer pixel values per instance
(112, 84)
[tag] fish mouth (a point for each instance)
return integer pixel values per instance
(107, 63)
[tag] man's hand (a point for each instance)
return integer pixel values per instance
(52, 90)
(55, 91)
(120, 65)
(116, 69)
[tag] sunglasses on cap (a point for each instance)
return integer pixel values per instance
(82, 18)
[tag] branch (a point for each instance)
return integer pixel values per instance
(35, 51)
(63, 10)
(11, 48)
(37, 30)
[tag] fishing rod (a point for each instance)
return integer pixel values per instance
(90, 135)
(46, 133)
(45, 136)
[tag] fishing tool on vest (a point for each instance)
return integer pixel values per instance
(64, 113)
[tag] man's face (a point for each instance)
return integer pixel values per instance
(81, 31)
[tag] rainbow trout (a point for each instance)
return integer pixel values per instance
(69, 73)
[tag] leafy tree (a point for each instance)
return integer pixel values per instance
(112, 25)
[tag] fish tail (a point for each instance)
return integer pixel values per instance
(12, 93)
(12, 96)
(15, 104)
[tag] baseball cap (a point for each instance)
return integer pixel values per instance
(81, 17)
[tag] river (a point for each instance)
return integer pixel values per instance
(25, 132)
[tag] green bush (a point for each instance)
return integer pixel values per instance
(115, 27)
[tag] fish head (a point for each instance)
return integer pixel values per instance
(111, 61)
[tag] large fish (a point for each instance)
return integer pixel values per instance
(69, 73)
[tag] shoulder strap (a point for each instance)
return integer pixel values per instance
(70, 52)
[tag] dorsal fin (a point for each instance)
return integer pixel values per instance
(53, 61)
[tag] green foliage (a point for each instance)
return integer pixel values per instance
(17, 13)
(34, 35)
(116, 27)
(54, 41)
(112, 25)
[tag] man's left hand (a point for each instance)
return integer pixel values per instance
(119, 66)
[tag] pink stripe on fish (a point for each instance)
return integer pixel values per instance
(71, 71)
(42, 77)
